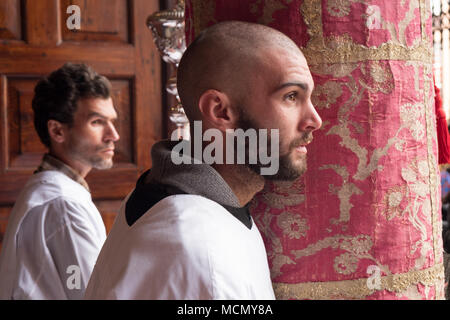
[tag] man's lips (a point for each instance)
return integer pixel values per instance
(301, 149)
(299, 145)
(110, 151)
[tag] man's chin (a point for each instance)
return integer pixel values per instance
(290, 168)
(103, 164)
(287, 171)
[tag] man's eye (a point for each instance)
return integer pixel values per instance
(98, 121)
(291, 96)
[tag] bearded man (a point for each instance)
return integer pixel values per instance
(55, 232)
(185, 231)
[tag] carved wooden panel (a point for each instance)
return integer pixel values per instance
(115, 41)
(101, 20)
(10, 19)
(24, 147)
(41, 20)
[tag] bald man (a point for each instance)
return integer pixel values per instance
(185, 231)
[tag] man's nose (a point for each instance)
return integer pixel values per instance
(112, 134)
(310, 120)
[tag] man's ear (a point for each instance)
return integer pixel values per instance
(56, 131)
(216, 108)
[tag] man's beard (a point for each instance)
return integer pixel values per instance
(100, 163)
(90, 155)
(288, 170)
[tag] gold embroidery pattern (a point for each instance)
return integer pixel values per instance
(357, 248)
(346, 263)
(281, 195)
(292, 224)
(393, 204)
(419, 190)
(344, 193)
(327, 50)
(337, 70)
(327, 94)
(338, 8)
(357, 72)
(340, 57)
(412, 117)
(358, 288)
(400, 36)
(342, 129)
(378, 77)
(312, 15)
(346, 50)
(434, 180)
(275, 255)
(285, 194)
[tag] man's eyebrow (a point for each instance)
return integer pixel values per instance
(301, 85)
(96, 114)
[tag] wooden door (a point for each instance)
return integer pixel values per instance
(114, 40)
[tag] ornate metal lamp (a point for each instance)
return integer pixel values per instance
(167, 27)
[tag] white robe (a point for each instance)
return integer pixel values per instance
(52, 240)
(184, 247)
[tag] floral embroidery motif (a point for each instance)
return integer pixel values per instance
(292, 225)
(338, 8)
(378, 77)
(346, 263)
(412, 116)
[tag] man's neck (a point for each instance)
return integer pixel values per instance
(80, 168)
(244, 182)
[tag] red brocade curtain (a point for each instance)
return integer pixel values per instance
(364, 222)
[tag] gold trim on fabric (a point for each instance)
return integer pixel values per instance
(359, 288)
(347, 51)
(425, 14)
(342, 49)
(434, 177)
(431, 140)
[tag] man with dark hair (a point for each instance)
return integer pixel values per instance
(55, 232)
(185, 231)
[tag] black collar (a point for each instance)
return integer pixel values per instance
(146, 195)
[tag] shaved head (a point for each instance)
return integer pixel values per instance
(224, 57)
(238, 75)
